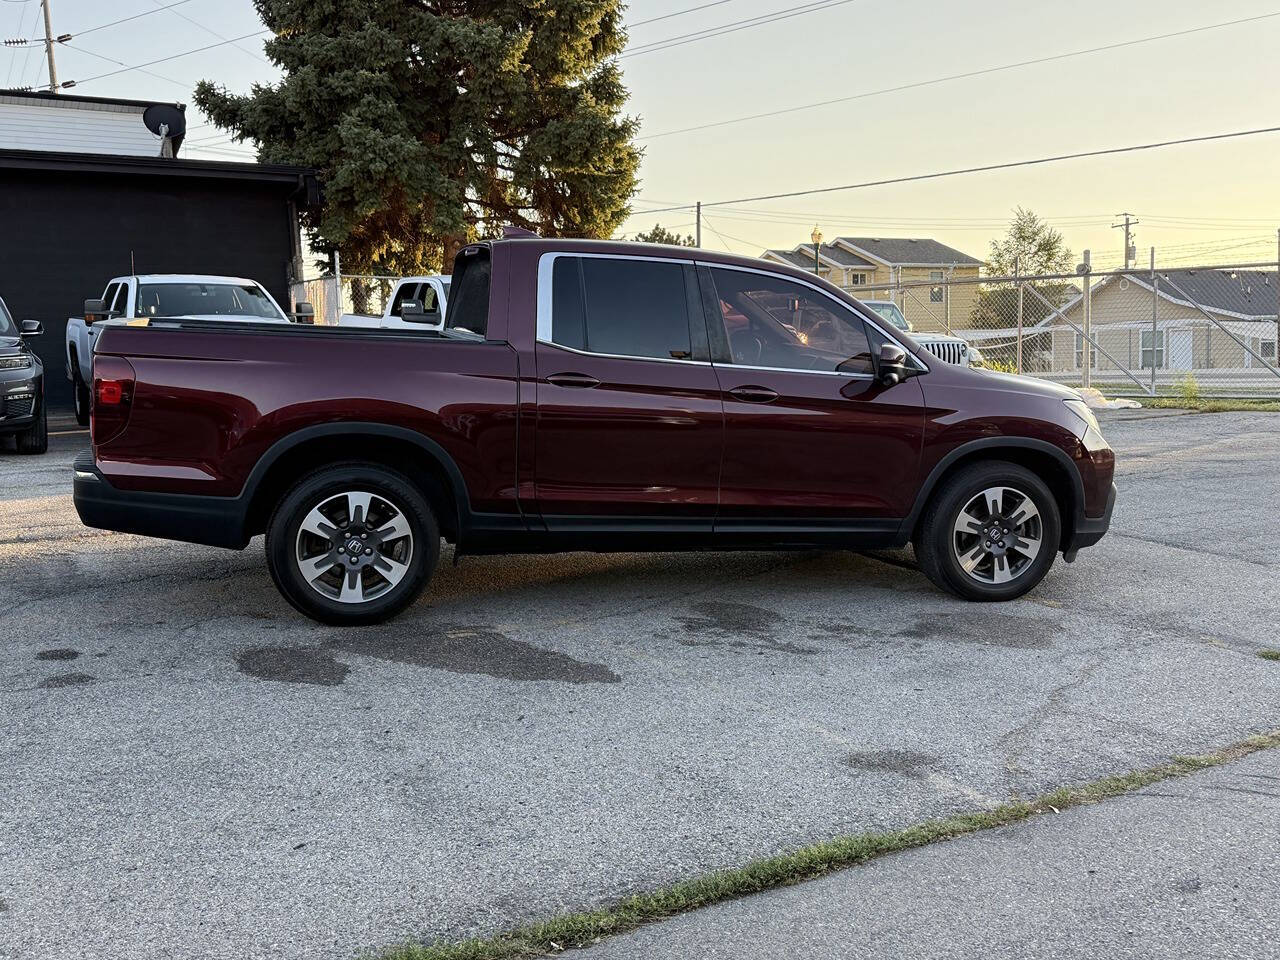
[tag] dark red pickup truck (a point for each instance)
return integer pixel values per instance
(587, 396)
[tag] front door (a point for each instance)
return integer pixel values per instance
(813, 440)
(630, 423)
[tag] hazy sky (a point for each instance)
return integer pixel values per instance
(1212, 202)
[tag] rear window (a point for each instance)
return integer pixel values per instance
(204, 299)
(627, 308)
(469, 294)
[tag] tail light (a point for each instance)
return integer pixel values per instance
(113, 386)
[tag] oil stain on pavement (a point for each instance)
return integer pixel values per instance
(292, 665)
(67, 680)
(476, 650)
(58, 653)
(717, 623)
(988, 628)
(908, 763)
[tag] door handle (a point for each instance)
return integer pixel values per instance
(754, 394)
(580, 380)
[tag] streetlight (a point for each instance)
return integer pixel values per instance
(816, 237)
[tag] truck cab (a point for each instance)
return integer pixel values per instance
(427, 296)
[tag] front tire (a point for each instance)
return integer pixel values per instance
(990, 532)
(35, 440)
(354, 543)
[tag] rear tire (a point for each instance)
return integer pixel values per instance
(353, 543)
(81, 394)
(989, 533)
(36, 439)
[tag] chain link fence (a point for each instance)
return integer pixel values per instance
(333, 296)
(1188, 331)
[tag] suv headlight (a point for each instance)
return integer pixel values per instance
(20, 362)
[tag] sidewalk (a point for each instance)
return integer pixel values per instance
(1185, 868)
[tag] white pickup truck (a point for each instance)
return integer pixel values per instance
(431, 294)
(187, 296)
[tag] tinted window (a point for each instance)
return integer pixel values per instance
(7, 325)
(121, 306)
(469, 307)
(771, 322)
(630, 308)
(108, 298)
(569, 317)
(203, 299)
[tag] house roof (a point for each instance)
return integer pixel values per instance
(1248, 294)
(908, 251)
(802, 256)
(792, 257)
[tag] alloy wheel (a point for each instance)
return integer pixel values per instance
(998, 535)
(354, 546)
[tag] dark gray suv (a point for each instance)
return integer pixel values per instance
(22, 413)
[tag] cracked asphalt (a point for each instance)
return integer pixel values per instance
(190, 768)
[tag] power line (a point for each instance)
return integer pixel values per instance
(209, 30)
(732, 27)
(1111, 151)
(150, 73)
(665, 16)
(186, 53)
(144, 13)
(959, 76)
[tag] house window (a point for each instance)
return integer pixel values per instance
(1268, 351)
(1093, 353)
(1149, 356)
(935, 293)
(857, 279)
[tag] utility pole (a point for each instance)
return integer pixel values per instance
(697, 218)
(1130, 251)
(48, 47)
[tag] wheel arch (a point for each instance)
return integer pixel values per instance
(424, 462)
(1050, 463)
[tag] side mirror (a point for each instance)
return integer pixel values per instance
(95, 310)
(411, 312)
(304, 312)
(32, 328)
(893, 364)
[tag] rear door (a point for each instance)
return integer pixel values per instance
(630, 421)
(813, 440)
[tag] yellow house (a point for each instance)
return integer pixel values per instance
(914, 273)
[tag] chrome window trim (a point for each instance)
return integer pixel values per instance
(819, 373)
(545, 327)
(712, 265)
(623, 356)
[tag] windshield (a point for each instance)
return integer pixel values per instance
(891, 313)
(7, 326)
(204, 299)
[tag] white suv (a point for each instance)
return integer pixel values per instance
(951, 349)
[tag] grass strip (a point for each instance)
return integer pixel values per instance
(1269, 654)
(584, 929)
(1211, 406)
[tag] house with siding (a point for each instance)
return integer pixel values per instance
(914, 273)
(1187, 321)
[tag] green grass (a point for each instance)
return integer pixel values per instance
(1269, 654)
(583, 929)
(1211, 406)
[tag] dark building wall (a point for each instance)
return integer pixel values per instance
(63, 235)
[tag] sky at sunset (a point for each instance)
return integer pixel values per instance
(1215, 202)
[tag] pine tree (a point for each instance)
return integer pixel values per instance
(660, 234)
(433, 122)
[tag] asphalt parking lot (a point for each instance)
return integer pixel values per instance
(192, 769)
